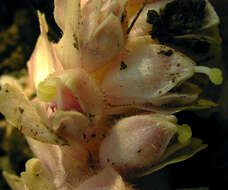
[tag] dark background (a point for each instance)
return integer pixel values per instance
(208, 168)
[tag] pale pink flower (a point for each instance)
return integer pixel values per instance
(105, 99)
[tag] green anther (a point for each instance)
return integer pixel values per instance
(46, 92)
(184, 133)
(215, 76)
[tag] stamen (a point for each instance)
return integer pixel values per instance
(214, 74)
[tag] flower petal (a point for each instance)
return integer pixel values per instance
(145, 74)
(60, 13)
(101, 34)
(136, 142)
(68, 164)
(14, 181)
(43, 60)
(68, 48)
(82, 87)
(71, 124)
(36, 176)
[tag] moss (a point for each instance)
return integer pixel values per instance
(17, 43)
(13, 150)
(14, 146)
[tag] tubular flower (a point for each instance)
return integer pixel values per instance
(106, 93)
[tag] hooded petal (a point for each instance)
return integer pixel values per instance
(136, 142)
(73, 90)
(147, 73)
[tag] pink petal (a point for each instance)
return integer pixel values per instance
(136, 142)
(68, 100)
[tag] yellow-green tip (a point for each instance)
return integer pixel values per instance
(215, 76)
(46, 92)
(184, 133)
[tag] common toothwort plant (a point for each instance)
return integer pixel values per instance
(107, 90)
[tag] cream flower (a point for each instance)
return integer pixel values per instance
(106, 93)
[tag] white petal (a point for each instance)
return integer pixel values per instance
(37, 177)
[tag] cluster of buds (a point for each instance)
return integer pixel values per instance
(106, 93)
